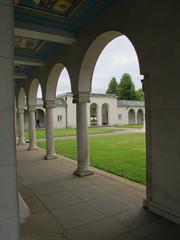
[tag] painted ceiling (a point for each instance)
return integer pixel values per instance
(60, 8)
(69, 16)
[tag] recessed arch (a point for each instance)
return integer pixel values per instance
(21, 98)
(131, 116)
(140, 116)
(93, 114)
(105, 114)
(91, 57)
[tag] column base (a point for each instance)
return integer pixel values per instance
(49, 157)
(80, 173)
(21, 143)
(145, 203)
(32, 149)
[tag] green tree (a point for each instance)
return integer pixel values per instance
(126, 88)
(113, 86)
(139, 94)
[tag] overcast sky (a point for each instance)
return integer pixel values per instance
(117, 58)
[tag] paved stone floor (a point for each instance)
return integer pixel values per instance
(97, 207)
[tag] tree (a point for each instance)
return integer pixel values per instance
(139, 94)
(126, 88)
(113, 86)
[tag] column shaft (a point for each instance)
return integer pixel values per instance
(9, 216)
(32, 129)
(21, 126)
(83, 167)
(50, 147)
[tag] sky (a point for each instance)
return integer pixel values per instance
(118, 57)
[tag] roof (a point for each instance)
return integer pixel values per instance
(91, 95)
(59, 102)
(130, 103)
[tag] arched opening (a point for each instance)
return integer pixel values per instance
(95, 75)
(35, 92)
(26, 120)
(21, 99)
(54, 85)
(40, 117)
(64, 114)
(105, 114)
(131, 116)
(93, 114)
(140, 117)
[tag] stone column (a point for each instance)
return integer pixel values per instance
(83, 168)
(21, 126)
(136, 116)
(32, 128)
(50, 148)
(99, 115)
(9, 216)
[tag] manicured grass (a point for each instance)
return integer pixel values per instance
(40, 133)
(123, 155)
(138, 126)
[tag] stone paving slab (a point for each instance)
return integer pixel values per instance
(98, 207)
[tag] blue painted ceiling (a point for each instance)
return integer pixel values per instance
(69, 16)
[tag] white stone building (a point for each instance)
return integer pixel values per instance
(108, 111)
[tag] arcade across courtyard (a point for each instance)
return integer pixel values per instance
(38, 40)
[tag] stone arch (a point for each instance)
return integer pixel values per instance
(105, 114)
(32, 94)
(93, 114)
(91, 57)
(21, 103)
(41, 116)
(131, 116)
(53, 80)
(140, 116)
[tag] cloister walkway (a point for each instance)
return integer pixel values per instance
(98, 207)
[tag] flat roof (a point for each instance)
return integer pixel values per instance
(130, 103)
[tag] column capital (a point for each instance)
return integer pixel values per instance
(32, 108)
(81, 97)
(20, 110)
(49, 104)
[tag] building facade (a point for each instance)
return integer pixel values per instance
(102, 110)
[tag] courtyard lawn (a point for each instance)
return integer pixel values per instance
(138, 126)
(40, 133)
(123, 155)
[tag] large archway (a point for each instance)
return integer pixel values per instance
(34, 91)
(95, 51)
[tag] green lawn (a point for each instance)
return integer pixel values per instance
(40, 133)
(138, 126)
(123, 155)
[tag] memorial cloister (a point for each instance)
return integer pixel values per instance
(40, 38)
